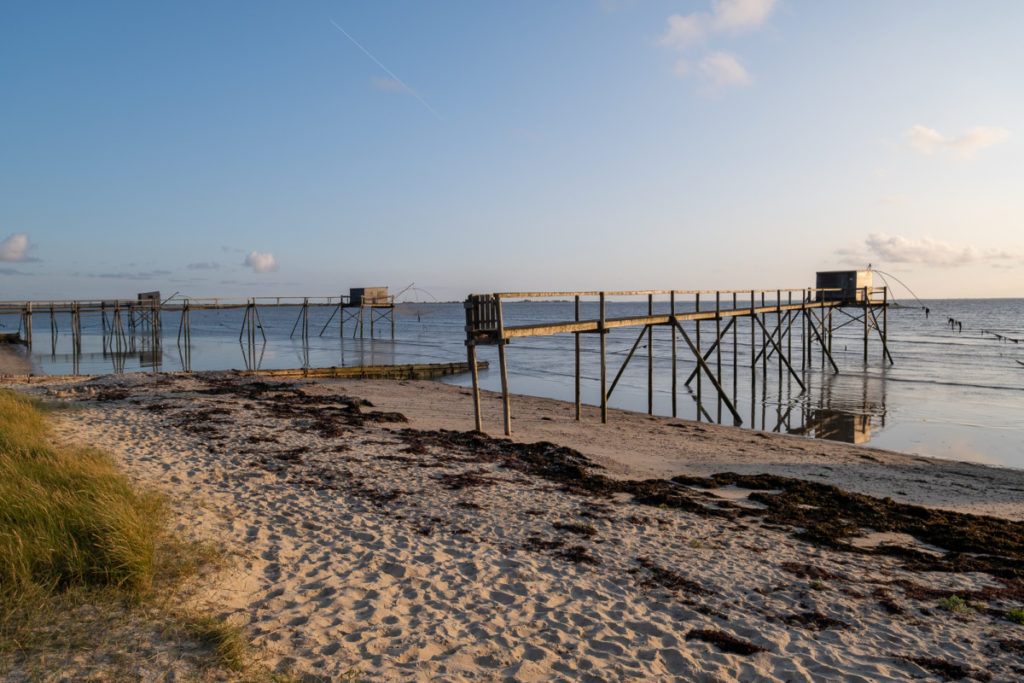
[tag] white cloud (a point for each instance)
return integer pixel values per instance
(928, 140)
(261, 262)
(722, 70)
(685, 31)
(717, 70)
(726, 16)
(15, 247)
(895, 249)
(204, 265)
(740, 15)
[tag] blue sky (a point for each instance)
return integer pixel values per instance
(269, 148)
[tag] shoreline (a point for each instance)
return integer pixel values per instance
(664, 447)
(365, 539)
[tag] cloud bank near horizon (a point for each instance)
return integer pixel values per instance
(896, 249)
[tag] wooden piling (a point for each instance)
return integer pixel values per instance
(604, 370)
(650, 357)
(505, 399)
(718, 346)
(675, 389)
(577, 345)
(866, 326)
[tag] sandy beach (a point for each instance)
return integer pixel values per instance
(370, 532)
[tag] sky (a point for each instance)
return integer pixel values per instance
(221, 149)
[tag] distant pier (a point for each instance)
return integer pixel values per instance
(136, 325)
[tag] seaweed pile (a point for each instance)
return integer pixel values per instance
(821, 514)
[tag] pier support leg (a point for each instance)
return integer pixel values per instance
(505, 403)
(604, 370)
(471, 352)
(577, 335)
(675, 371)
(650, 357)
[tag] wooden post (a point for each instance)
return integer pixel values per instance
(696, 307)
(672, 309)
(865, 325)
(735, 356)
(789, 326)
(507, 408)
(577, 335)
(718, 345)
(28, 326)
(803, 332)
(471, 353)
(778, 328)
(305, 321)
(650, 357)
(885, 325)
(753, 349)
(604, 370)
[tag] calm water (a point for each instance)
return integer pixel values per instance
(951, 393)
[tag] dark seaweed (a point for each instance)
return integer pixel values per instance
(724, 641)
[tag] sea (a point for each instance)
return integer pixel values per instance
(954, 387)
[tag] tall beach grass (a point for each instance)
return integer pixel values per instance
(68, 518)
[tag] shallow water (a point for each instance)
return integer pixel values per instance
(950, 393)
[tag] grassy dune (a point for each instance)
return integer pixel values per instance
(87, 569)
(68, 519)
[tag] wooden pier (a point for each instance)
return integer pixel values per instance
(136, 325)
(771, 315)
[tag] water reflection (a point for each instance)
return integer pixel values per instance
(843, 408)
(835, 425)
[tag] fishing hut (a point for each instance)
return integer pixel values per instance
(374, 301)
(769, 316)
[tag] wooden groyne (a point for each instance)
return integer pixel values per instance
(770, 316)
(413, 371)
(424, 371)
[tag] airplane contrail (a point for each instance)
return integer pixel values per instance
(387, 70)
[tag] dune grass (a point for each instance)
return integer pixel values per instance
(85, 559)
(68, 518)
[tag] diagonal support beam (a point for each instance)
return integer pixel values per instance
(782, 331)
(824, 346)
(334, 312)
(710, 350)
(782, 355)
(636, 344)
(885, 346)
(737, 420)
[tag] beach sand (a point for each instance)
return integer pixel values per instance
(361, 542)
